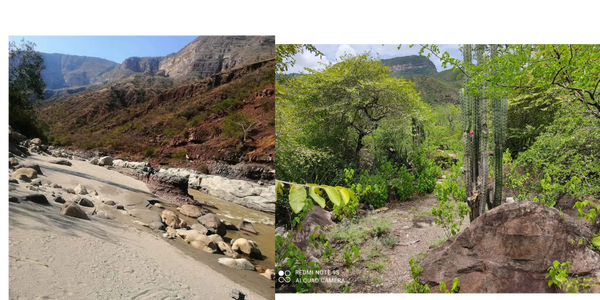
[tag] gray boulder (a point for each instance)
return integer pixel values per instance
(213, 224)
(72, 209)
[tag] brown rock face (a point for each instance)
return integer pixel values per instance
(509, 250)
(148, 65)
(171, 187)
(209, 55)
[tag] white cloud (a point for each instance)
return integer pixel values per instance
(381, 51)
(344, 49)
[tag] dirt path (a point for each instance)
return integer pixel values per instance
(383, 268)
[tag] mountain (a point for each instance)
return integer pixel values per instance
(434, 87)
(177, 113)
(64, 71)
(203, 57)
(410, 65)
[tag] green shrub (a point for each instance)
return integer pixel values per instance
(180, 153)
(203, 168)
(149, 152)
(225, 104)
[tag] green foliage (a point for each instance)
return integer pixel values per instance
(25, 87)
(558, 275)
(347, 102)
(225, 104)
(388, 241)
(149, 152)
(415, 286)
(569, 148)
(347, 210)
(589, 216)
(298, 197)
(302, 270)
(455, 286)
(180, 153)
(551, 192)
(447, 209)
(284, 54)
(427, 174)
(350, 256)
(238, 125)
(535, 68)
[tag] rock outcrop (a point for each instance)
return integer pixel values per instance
(509, 250)
(251, 195)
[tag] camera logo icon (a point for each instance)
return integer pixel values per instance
(284, 277)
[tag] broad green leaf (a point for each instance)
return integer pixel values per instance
(297, 197)
(333, 194)
(278, 187)
(312, 193)
(344, 193)
(596, 241)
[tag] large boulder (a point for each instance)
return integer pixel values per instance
(213, 224)
(36, 141)
(247, 247)
(316, 216)
(105, 161)
(169, 186)
(248, 194)
(172, 220)
(246, 225)
(509, 250)
(82, 201)
(37, 198)
(240, 263)
(80, 189)
(71, 209)
(189, 210)
(36, 167)
(205, 244)
(30, 173)
(226, 249)
(18, 137)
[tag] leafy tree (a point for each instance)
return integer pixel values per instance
(339, 107)
(284, 54)
(25, 86)
(573, 69)
(238, 124)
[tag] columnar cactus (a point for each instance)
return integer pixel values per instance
(475, 111)
(483, 140)
(466, 109)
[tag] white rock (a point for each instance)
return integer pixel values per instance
(81, 190)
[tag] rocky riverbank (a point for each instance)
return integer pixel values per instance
(172, 183)
(58, 199)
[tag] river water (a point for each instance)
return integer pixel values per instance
(263, 223)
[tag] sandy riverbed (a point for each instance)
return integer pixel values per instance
(57, 257)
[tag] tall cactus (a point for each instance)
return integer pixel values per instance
(474, 113)
(466, 106)
(483, 140)
(500, 110)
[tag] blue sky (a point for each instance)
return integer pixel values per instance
(114, 48)
(333, 51)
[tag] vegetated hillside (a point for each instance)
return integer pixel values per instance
(199, 119)
(410, 65)
(435, 88)
(63, 70)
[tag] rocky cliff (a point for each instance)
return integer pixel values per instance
(209, 55)
(410, 65)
